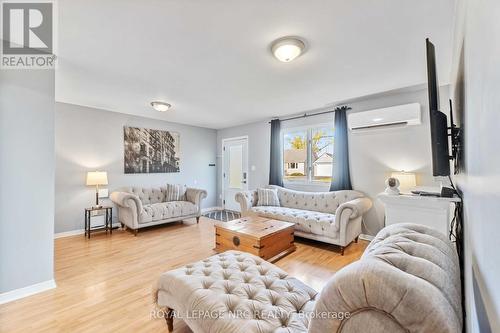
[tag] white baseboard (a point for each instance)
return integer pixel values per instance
(82, 231)
(76, 232)
(69, 233)
(15, 294)
(366, 237)
(210, 209)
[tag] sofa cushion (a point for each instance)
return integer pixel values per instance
(166, 210)
(175, 192)
(305, 220)
(243, 293)
(267, 197)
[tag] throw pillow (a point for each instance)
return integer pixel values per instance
(175, 192)
(267, 197)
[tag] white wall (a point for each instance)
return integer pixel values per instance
(89, 139)
(476, 90)
(26, 178)
(373, 154)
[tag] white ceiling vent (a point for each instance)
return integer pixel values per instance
(395, 116)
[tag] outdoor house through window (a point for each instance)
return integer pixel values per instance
(308, 154)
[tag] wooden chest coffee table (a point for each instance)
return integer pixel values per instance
(257, 235)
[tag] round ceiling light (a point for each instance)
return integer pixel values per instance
(160, 106)
(287, 48)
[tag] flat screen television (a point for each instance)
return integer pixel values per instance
(438, 120)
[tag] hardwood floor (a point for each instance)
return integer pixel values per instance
(104, 284)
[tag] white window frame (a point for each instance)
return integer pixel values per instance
(308, 168)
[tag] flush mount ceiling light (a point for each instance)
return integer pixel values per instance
(287, 48)
(160, 106)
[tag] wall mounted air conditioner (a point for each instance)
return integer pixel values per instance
(395, 116)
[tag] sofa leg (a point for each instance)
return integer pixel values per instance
(197, 219)
(356, 239)
(342, 250)
(136, 231)
(122, 225)
(169, 317)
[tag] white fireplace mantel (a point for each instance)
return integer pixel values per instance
(435, 212)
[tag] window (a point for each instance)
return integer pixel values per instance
(235, 166)
(295, 155)
(308, 154)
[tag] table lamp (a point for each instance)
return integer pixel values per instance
(407, 180)
(96, 178)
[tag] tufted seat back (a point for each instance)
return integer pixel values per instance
(146, 195)
(408, 280)
(325, 202)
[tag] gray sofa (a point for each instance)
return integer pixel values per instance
(140, 207)
(407, 281)
(331, 217)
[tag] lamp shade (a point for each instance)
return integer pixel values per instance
(407, 180)
(97, 178)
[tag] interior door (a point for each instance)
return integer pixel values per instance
(235, 171)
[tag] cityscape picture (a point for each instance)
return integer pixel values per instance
(150, 151)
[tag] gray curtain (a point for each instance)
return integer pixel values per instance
(341, 179)
(276, 161)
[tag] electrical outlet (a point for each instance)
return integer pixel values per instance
(99, 212)
(97, 221)
(103, 193)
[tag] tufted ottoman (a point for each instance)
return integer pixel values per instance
(235, 292)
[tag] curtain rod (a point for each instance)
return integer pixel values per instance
(305, 115)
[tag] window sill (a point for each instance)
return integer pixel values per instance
(313, 183)
(307, 186)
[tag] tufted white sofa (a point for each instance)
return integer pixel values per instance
(331, 217)
(407, 281)
(140, 207)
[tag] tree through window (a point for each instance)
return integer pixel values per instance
(308, 154)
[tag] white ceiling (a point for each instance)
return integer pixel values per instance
(211, 59)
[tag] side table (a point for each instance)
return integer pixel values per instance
(108, 220)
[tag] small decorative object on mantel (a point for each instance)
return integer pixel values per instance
(407, 180)
(392, 186)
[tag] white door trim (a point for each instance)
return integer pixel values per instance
(243, 137)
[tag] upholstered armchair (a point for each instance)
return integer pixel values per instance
(408, 280)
